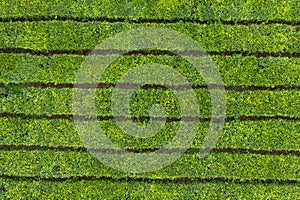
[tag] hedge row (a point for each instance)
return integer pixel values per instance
(266, 135)
(51, 163)
(31, 189)
(59, 101)
(167, 10)
(57, 35)
(236, 70)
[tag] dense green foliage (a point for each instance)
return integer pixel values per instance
(239, 34)
(69, 35)
(235, 10)
(269, 134)
(51, 163)
(236, 70)
(106, 189)
(59, 101)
